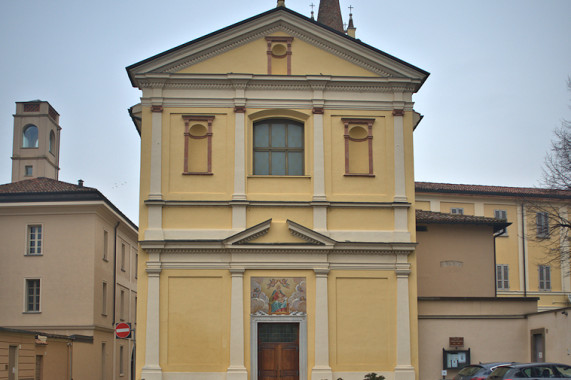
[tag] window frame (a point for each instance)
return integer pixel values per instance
(37, 295)
(498, 215)
(123, 259)
(368, 140)
(25, 139)
(52, 143)
(544, 278)
(502, 277)
(457, 210)
(29, 240)
(104, 298)
(286, 149)
(542, 225)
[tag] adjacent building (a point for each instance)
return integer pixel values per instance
(532, 255)
(68, 270)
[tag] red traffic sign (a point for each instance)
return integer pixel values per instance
(123, 330)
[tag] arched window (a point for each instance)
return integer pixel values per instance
(30, 137)
(52, 141)
(278, 147)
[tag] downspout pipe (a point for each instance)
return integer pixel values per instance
(500, 232)
(523, 240)
(115, 272)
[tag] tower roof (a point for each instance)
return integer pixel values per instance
(330, 14)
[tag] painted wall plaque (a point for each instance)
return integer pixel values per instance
(278, 295)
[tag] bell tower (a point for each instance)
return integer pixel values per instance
(35, 151)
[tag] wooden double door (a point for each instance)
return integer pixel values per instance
(278, 351)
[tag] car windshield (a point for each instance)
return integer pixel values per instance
(564, 370)
(469, 370)
(499, 372)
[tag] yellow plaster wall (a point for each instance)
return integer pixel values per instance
(468, 207)
(362, 328)
(507, 245)
(195, 310)
(360, 219)
(279, 232)
(217, 186)
(349, 188)
(252, 58)
(422, 205)
(197, 217)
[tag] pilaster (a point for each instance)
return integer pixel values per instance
(400, 175)
(152, 370)
(237, 370)
(404, 369)
(322, 369)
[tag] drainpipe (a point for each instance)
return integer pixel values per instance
(523, 250)
(500, 232)
(70, 359)
(114, 293)
(115, 271)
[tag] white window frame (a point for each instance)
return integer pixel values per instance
(502, 277)
(544, 277)
(36, 240)
(542, 224)
(457, 210)
(36, 304)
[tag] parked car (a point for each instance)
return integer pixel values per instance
(531, 371)
(478, 371)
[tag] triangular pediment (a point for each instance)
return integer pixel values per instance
(300, 235)
(330, 51)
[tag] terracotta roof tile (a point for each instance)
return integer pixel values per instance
(430, 217)
(42, 185)
(432, 187)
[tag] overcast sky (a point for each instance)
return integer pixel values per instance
(496, 91)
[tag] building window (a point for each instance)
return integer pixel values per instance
(122, 306)
(502, 277)
(34, 240)
(136, 264)
(502, 215)
(28, 170)
(103, 364)
(105, 245)
(30, 137)
(33, 295)
(457, 210)
(104, 299)
(542, 224)
(278, 147)
(52, 141)
(123, 257)
(358, 135)
(121, 360)
(544, 277)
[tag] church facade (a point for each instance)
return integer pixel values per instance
(277, 227)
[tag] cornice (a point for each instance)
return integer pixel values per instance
(185, 203)
(381, 250)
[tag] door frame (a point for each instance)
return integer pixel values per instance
(300, 319)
